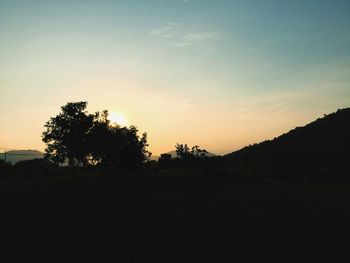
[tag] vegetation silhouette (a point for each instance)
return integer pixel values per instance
(35, 164)
(66, 135)
(81, 139)
(285, 197)
(184, 152)
(5, 168)
(184, 157)
(164, 157)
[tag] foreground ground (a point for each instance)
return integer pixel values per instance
(179, 218)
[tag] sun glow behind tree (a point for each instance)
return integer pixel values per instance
(117, 118)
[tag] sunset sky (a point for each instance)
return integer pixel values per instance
(220, 74)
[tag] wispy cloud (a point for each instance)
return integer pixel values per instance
(182, 44)
(202, 36)
(164, 31)
(187, 2)
(170, 30)
(192, 39)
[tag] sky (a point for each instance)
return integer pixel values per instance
(218, 74)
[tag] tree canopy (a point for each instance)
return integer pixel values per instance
(78, 138)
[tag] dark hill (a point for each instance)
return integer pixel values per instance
(325, 140)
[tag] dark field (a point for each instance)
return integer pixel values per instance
(181, 215)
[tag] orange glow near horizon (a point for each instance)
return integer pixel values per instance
(218, 76)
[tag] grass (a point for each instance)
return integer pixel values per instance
(206, 212)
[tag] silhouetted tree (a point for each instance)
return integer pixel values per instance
(120, 147)
(90, 139)
(66, 135)
(182, 151)
(197, 152)
(99, 138)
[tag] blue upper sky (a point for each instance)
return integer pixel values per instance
(237, 67)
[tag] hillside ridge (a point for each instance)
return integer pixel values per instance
(325, 137)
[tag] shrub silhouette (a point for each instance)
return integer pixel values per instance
(164, 157)
(164, 160)
(35, 164)
(5, 167)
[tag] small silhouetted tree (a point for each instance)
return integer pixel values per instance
(197, 152)
(183, 151)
